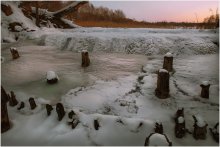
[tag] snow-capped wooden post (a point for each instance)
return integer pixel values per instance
(60, 111)
(52, 77)
(21, 106)
(156, 139)
(179, 123)
(14, 53)
(12, 99)
(158, 128)
(162, 90)
(215, 132)
(5, 123)
(32, 103)
(70, 114)
(85, 58)
(200, 128)
(168, 62)
(205, 89)
(49, 109)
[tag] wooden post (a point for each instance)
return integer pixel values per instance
(5, 123)
(180, 127)
(168, 62)
(14, 53)
(215, 132)
(205, 89)
(12, 100)
(60, 111)
(49, 109)
(32, 103)
(85, 58)
(158, 128)
(71, 113)
(200, 128)
(162, 90)
(21, 106)
(96, 124)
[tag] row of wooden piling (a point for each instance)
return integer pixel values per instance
(84, 54)
(162, 90)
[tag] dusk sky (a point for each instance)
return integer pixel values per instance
(163, 10)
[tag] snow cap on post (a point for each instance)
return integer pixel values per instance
(163, 70)
(180, 119)
(157, 139)
(52, 77)
(205, 83)
(200, 121)
(168, 54)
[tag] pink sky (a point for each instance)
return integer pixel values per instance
(163, 10)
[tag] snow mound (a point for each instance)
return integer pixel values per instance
(180, 119)
(158, 140)
(51, 75)
(163, 70)
(205, 83)
(200, 122)
(168, 54)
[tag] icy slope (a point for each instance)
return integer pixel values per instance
(148, 41)
(16, 16)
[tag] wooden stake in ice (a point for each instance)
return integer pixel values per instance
(21, 106)
(180, 123)
(168, 62)
(5, 123)
(32, 103)
(162, 90)
(60, 111)
(205, 89)
(49, 109)
(200, 128)
(12, 100)
(14, 53)
(85, 58)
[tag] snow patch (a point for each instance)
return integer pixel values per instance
(158, 140)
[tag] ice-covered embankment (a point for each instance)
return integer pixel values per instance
(132, 41)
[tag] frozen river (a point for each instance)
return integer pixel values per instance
(27, 74)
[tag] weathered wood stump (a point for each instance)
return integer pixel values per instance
(12, 99)
(156, 139)
(168, 62)
(60, 111)
(205, 89)
(85, 58)
(49, 108)
(158, 128)
(200, 128)
(6, 9)
(21, 106)
(96, 124)
(71, 114)
(180, 123)
(162, 90)
(14, 53)
(215, 132)
(32, 103)
(5, 123)
(52, 77)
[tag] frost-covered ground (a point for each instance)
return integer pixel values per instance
(106, 89)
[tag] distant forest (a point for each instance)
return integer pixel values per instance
(91, 16)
